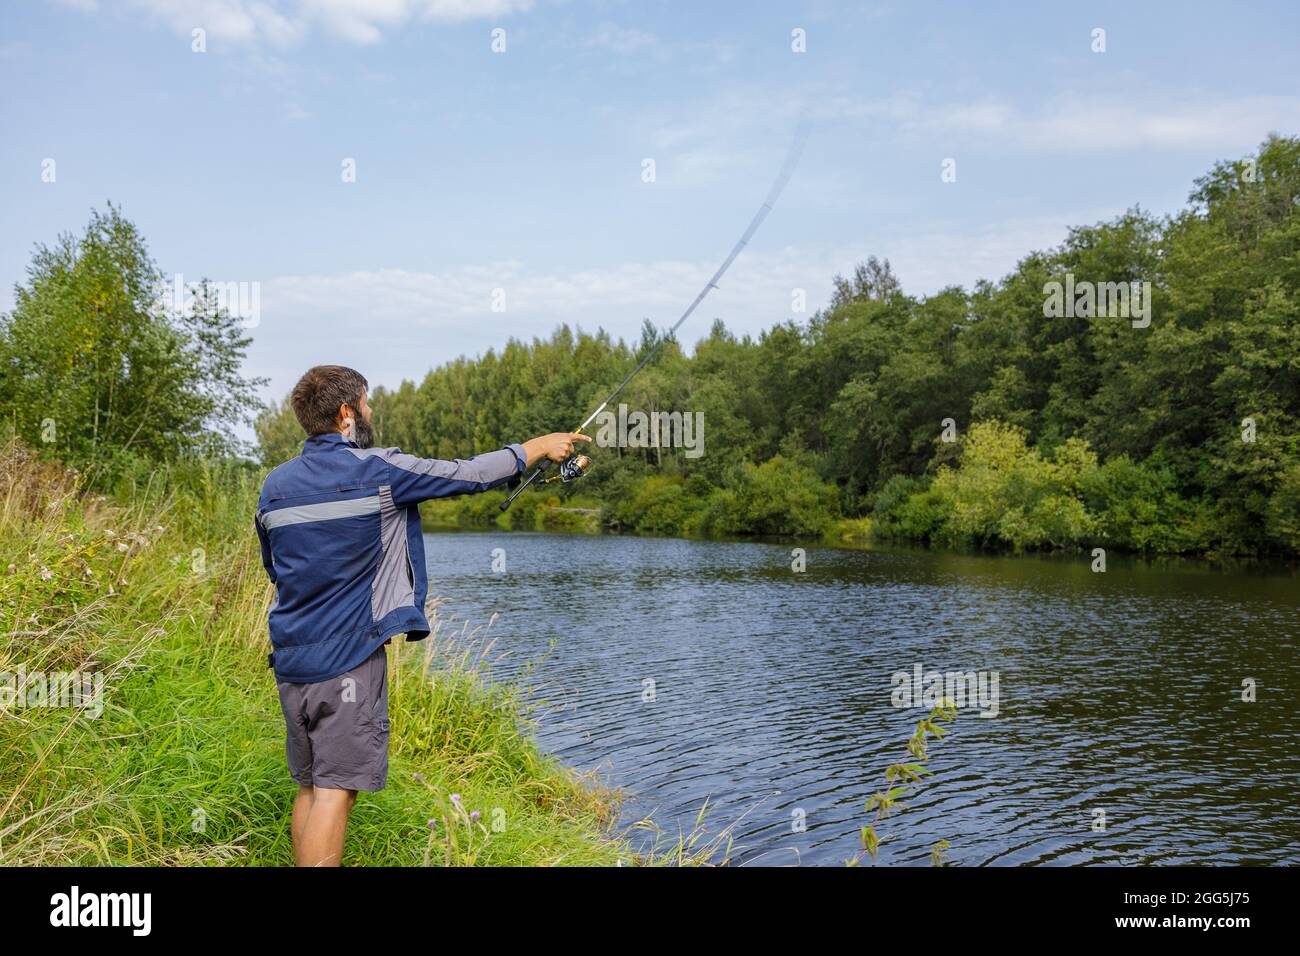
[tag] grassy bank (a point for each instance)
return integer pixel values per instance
(159, 592)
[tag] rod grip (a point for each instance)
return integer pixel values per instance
(541, 467)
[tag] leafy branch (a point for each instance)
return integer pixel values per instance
(899, 777)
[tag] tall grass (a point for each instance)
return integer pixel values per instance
(160, 590)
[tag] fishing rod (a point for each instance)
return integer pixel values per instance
(577, 465)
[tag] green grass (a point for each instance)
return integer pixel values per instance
(160, 589)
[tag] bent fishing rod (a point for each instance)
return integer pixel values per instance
(577, 465)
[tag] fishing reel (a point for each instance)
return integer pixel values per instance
(571, 469)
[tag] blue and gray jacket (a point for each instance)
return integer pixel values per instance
(341, 540)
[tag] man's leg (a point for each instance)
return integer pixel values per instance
(339, 746)
(302, 804)
(293, 700)
(321, 840)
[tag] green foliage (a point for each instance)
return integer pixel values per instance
(1284, 509)
(1138, 506)
(1076, 431)
(279, 436)
(657, 505)
(907, 509)
(1006, 492)
(779, 497)
(94, 370)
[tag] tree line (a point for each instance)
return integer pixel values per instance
(986, 417)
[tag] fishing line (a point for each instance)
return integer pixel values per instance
(577, 465)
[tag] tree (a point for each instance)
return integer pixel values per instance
(871, 280)
(95, 367)
(279, 436)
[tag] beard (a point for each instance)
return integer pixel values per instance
(362, 433)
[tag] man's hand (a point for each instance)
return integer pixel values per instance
(557, 446)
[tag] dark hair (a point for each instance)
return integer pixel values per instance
(319, 393)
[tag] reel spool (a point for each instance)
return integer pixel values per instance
(571, 470)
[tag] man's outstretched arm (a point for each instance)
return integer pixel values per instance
(418, 479)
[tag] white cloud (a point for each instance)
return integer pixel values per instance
(235, 21)
(394, 324)
(622, 40)
(732, 134)
(285, 22)
(736, 133)
(945, 254)
(1083, 124)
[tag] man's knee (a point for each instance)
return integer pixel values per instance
(331, 797)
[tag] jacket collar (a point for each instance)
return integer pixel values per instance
(324, 440)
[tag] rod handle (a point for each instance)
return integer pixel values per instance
(541, 467)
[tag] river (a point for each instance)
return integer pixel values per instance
(687, 671)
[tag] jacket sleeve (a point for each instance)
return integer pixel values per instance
(266, 547)
(413, 479)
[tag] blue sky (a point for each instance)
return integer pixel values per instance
(522, 170)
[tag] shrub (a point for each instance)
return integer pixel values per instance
(1005, 492)
(1137, 506)
(784, 497)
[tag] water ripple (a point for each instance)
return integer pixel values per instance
(1119, 694)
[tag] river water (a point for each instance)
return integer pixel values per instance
(687, 671)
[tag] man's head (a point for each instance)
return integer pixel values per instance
(333, 398)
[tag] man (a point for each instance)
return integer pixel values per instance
(341, 540)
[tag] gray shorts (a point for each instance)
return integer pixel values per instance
(337, 730)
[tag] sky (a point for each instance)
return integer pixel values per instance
(502, 150)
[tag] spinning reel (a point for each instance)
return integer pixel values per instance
(571, 469)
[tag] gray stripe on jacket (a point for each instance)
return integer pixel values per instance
(482, 469)
(394, 586)
(324, 511)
